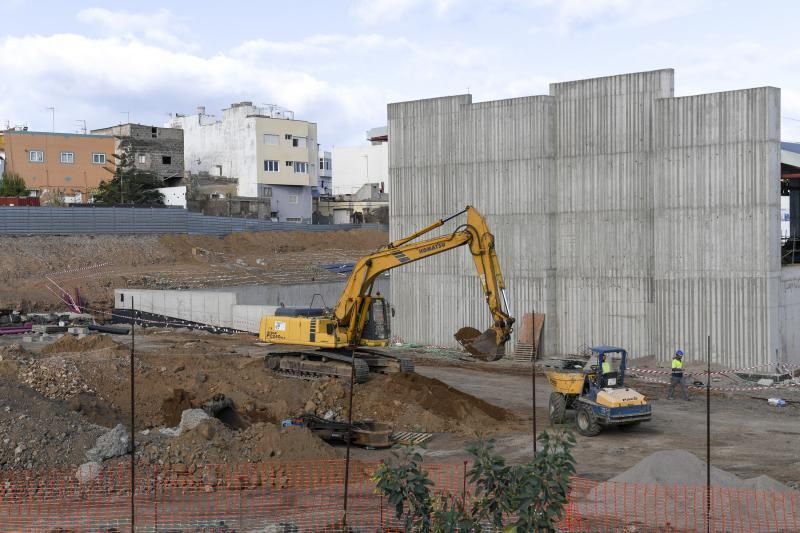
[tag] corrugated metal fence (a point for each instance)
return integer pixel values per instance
(120, 220)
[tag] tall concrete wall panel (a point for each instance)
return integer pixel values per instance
(447, 153)
(717, 215)
(604, 232)
(624, 214)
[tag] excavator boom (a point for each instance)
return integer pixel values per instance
(351, 308)
(359, 322)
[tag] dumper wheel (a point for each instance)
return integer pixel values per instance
(585, 421)
(557, 408)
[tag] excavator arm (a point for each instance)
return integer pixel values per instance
(351, 309)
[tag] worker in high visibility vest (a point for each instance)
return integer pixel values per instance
(607, 368)
(677, 377)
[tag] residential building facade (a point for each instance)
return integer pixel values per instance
(370, 204)
(271, 154)
(152, 149)
(60, 165)
(325, 179)
(355, 166)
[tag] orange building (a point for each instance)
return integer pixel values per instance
(60, 163)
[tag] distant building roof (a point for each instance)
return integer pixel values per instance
(790, 154)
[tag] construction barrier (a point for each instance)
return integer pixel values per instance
(309, 496)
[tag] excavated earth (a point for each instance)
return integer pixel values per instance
(77, 388)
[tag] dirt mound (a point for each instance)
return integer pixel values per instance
(69, 343)
(39, 433)
(275, 242)
(410, 402)
(212, 442)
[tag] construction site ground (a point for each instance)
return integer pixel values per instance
(56, 399)
(457, 400)
(34, 268)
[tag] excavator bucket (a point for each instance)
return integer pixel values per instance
(484, 346)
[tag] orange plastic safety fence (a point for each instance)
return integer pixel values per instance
(310, 496)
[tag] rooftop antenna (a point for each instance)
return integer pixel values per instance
(53, 112)
(82, 123)
(127, 116)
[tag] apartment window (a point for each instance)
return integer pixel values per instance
(67, 158)
(321, 164)
(36, 156)
(294, 219)
(299, 142)
(154, 133)
(99, 159)
(166, 159)
(142, 159)
(288, 136)
(271, 138)
(293, 199)
(271, 165)
(301, 167)
(265, 191)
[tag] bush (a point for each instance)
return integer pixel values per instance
(13, 185)
(516, 498)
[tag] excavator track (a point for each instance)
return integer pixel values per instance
(384, 362)
(316, 364)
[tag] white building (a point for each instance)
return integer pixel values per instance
(269, 152)
(174, 196)
(355, 166)
(325, 179)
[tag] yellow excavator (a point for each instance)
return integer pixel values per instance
(359, 323)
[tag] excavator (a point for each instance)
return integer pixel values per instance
(349, 337)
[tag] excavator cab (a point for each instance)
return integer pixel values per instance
(377, 325)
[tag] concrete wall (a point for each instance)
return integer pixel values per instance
(239, 307)
(790, 312)
(624, 214)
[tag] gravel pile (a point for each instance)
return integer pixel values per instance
(680, 478)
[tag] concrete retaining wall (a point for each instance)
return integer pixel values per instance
(239, 307)
(626, 215)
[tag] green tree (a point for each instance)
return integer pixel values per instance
(13, 185)
(129, 185)
(513, 498)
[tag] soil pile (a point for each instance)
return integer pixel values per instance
(212, 442)
(679, 468)
(70, 343)
(39, 433)
(410, 402)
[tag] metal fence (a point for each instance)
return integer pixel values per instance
(121, 220)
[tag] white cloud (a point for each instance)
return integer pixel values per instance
(625, 13)
(375, 11)
(324, 44)
(160, 27)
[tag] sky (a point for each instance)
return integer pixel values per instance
(339, 62)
